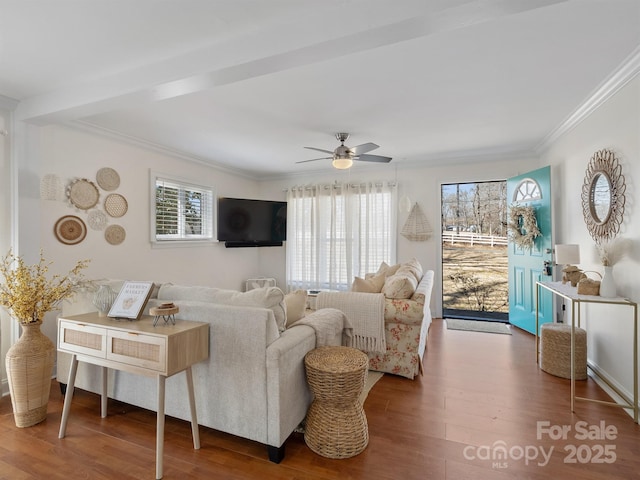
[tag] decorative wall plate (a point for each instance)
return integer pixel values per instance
(108, 179)
(115, 205)
(70, 230)
(83, 194)
(115, 234)
(97, 219)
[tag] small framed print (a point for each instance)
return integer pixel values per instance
(131, 300)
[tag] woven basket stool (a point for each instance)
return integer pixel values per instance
(336, 425)
(555, 351)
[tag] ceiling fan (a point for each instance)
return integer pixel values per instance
(344, 156)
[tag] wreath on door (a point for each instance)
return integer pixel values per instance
(523, 226)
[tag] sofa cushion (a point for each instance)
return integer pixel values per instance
(372, 284)
(295, 303)
(267, 297)
(387, 270)
(412, 266)
(400, 286)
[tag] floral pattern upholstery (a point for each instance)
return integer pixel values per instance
(407, 323)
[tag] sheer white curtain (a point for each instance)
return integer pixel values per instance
(339, 231)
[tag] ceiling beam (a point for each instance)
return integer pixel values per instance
(259, 54)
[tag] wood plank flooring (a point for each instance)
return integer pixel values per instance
(480, 392)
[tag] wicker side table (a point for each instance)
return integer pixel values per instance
(555, 350)
(336, 425)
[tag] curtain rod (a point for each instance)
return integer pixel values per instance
(327, 186)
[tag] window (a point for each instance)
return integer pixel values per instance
(527, 190)
(181, 211)
(337, 232)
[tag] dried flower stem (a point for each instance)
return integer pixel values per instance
(27, 292)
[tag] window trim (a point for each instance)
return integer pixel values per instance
(154, 176)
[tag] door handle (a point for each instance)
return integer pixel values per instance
(546, 269)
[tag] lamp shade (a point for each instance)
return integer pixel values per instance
(567, 254)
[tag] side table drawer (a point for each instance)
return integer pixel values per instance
(84, 339)
(137, 349)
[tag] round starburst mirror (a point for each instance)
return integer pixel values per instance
(603, 196)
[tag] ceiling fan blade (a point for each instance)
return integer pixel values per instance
(314, 159)
(320, 150)
(364, 148)
(373, 158)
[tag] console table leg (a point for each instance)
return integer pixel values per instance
(103, 397)
(160, 428)
(192, 405)
(68, 396)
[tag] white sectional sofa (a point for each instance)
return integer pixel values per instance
(253, 384)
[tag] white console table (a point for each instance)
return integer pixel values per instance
(570, 294)
(136, 347)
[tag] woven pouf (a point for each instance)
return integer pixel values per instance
(336, 425)
(555, 350)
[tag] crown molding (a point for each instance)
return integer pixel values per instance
(8, 103)
(626, 71)
(156, 147)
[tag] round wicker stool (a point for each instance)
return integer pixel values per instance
(555, 351)
(336, 425)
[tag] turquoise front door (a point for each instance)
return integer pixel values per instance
(527, 265)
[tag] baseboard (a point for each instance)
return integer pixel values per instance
(611, 386)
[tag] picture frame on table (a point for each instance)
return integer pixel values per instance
(131, 300)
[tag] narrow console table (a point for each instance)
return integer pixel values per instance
(570, 294)
(135, 347)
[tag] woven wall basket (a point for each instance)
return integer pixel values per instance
(29, 365)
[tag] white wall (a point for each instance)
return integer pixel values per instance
(71, 153)
(614, 126)
(421, 185)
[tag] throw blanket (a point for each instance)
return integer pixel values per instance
(365, 312)
(328, 323)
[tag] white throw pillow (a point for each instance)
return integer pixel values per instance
(296, 303)
(413, 266)
(400, 286)
(368, 285)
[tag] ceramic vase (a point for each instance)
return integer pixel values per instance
(103, 299)
(29, 364)
(608, 284)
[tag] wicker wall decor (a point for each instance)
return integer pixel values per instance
(97, 220)
(70, 230)
(51, 187)
(115, 205)
(115, 234)
(83, 194)
(108, 179)
(603, 196)
(416, 228)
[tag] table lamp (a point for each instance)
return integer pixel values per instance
(568, 255)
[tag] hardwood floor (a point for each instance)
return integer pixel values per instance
(480, 391)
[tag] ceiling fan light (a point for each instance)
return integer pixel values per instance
(342, 163)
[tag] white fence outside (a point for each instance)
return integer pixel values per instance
(472, 239)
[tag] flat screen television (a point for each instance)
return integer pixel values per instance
(251, 223)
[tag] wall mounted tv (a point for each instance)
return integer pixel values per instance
(251, 223)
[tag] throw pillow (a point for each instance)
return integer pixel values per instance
(387, 270)
(414, 267)
(296, 303)
(368, 285)
(400, 286)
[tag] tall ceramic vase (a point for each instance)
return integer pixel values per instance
(608, 284)
(29, 364)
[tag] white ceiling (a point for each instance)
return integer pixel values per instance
(248, 84)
